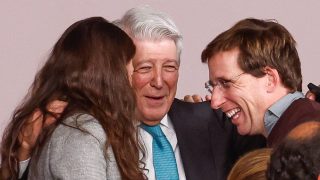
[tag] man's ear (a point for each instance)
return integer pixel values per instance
(273, 79)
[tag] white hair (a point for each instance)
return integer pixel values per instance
(145, 23)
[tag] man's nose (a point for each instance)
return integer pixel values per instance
(217, 98)
(157, 79)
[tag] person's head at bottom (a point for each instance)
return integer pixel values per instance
(298, 156)
(251, 166)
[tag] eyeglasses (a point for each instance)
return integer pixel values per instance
(221, 83)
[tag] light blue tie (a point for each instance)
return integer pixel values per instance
(164, 161)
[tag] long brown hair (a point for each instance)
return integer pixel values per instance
(87, 68)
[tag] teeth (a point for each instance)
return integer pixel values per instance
(232, 112)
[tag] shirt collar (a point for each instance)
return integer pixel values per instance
(275, 111)
(165, 122)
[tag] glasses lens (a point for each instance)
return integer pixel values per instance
(208, 86)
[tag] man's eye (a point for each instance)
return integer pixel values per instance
(225, 83)
(144, 69)
(170, 68)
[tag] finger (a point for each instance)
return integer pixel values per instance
(35, 120)
(197, 98)
(30, 131)
(36, 115)
(188, 98)
(57, 107)
(49, 120)
(311, 96)
(208, 98)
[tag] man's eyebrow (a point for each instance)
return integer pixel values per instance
(224, 79)
(217, 79)
(171, 61)
(143, 61)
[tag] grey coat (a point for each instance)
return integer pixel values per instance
(73, 154)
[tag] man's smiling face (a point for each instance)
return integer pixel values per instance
(240, 95)
(155, 78)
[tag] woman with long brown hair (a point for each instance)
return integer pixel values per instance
(95, 137)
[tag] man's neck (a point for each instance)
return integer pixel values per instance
(151, 123)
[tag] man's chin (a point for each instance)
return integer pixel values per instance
(151, 122)
(153, 118)
(243, 132)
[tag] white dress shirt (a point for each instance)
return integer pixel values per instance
(146, 139)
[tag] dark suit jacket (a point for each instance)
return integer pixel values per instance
(301, 110)
(208, 142)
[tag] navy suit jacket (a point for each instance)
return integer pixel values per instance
(209, 144)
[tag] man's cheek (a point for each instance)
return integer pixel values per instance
(138, 82)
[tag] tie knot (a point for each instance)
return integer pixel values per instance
(154, 131)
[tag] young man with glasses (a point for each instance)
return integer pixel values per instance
(255, 78)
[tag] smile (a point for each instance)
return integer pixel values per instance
(155, 101)
(155, 97)
(232, 112)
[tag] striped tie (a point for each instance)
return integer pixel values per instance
(164, 161)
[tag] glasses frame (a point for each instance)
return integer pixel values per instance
(221, 83)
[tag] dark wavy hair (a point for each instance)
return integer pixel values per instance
(296, 158)
(87, 69)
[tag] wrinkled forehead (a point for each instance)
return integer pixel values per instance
(163, 49)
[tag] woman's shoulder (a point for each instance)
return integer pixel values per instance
(77, 149)
(80, 126)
